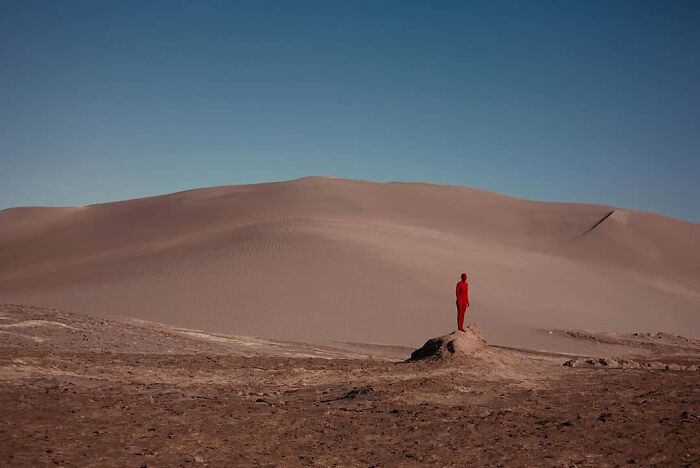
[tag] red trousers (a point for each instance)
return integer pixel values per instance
(461, 311)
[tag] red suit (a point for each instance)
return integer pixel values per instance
(462, 292)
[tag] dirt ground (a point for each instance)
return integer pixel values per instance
(80, 391)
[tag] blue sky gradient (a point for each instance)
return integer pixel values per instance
(591, 101)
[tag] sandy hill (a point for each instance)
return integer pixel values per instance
(324, 259)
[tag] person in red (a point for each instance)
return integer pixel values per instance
(462, 292)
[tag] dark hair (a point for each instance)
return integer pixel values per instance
(464, 276)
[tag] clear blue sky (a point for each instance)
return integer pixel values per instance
(591, 101)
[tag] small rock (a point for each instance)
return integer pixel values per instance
(355, 392)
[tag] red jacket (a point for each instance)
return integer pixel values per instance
(462, 292)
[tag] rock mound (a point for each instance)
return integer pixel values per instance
(453, 345)
(619, 363)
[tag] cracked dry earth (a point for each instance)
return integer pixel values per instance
(159, 398)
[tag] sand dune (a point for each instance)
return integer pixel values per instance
(324, 259)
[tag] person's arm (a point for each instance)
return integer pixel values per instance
(466, 290)
(457, 292)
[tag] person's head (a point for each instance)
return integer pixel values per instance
(464, 277)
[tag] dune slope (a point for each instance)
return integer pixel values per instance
(324, 259)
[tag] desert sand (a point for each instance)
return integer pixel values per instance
(85, 391)
(326, 260)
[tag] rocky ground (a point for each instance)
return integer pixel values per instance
(84, 391)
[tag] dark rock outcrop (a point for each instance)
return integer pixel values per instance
(620, 363)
